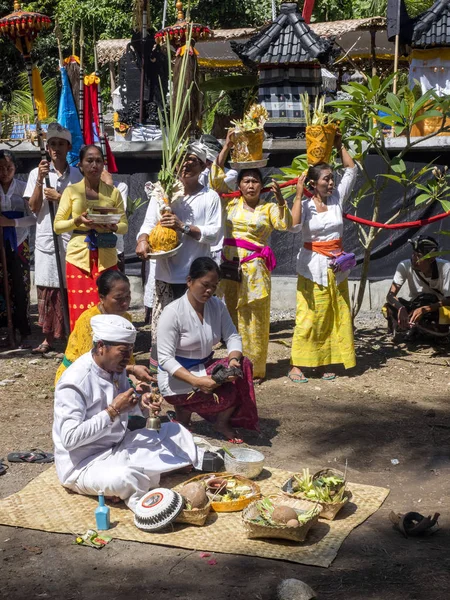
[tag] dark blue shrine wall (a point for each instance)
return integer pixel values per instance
(391, 246)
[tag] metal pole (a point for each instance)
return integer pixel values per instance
(396, 53)
(144, 35)
(101, 124)
(29, 68)
(164, 14)
(11, 331)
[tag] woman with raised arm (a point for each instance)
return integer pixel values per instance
(323, 333)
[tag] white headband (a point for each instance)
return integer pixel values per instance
(112, 328)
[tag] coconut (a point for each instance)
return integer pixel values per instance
(195, 494)
(293, 523)
(283, 514)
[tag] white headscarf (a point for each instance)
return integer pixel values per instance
(112, 328)
(199, 149)
(211, 154)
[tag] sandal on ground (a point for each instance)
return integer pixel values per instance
(233, 440)
(259, 380)
(31, 456)
(3, 467)
(328, 376)
(42, 349)
(297, 377)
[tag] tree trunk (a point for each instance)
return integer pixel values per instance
(363, 279)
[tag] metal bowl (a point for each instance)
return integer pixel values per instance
(112, 219)
(246, 461)
(252, 164)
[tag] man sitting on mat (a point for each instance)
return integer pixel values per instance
(94, 451)
(429, 290)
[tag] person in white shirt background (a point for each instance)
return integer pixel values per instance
(218, 178)
(197, 216)
(428, 290)
(15, 219)
(61, 175)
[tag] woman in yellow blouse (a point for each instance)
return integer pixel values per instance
(92, 248)
(115, 296)
(248, 224)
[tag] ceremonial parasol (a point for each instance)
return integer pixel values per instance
(177, 36)
(22, 28)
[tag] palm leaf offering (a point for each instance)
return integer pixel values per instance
(175, 140)
(317, 116)
(329, 489)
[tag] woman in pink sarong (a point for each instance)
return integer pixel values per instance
(188, 329)
(249, 221)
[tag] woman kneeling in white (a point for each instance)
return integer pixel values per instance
(94, 451)
(188, 330)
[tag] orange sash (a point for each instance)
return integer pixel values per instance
(332, 248)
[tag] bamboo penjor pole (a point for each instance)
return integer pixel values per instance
(81, 92)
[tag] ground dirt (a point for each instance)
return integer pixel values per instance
(393, 405)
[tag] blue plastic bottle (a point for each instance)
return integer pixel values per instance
(102, 513)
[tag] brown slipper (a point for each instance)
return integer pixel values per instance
(42, 349)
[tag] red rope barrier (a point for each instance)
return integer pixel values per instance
(419, 223)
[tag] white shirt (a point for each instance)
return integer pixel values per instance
(82, 429)
(123, 189)
(13, 201)
(202, 210)
(323, 227)
(231, 182)
(406, 274)
(44, 232)
(181, 333)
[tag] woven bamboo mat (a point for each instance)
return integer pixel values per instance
(45, 505)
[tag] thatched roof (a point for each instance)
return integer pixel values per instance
(339, 28)
(113, 50)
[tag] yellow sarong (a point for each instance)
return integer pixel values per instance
(323, 333)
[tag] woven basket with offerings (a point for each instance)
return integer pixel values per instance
(248, 138)
(326, 487)
(280, 517)
(320, 132)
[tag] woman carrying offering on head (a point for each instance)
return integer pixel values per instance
(187, 331)
(15, 219)
(115, 297)
(92, 248)
(323, 333)
(248, 224)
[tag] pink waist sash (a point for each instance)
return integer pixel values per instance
(264, 252)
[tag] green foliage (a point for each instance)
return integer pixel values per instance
(363, 118)
(20, 103)
(416, 7)
(175, 138)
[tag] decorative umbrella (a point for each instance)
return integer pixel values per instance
(22, 28)
(177, 35)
